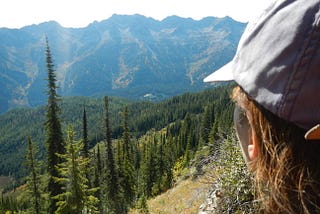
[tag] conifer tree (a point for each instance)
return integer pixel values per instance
(206, 124)
(214, 135)
(77, 197)
(184, 133)
(97, 180)
(127, 171)
(145, 180)
(162, 161)
(169, 152)
(127, 147)
(148, 168)
(85, 150)
(119, 152)
(54, 137)
(112, 187)
(187, 154)
(158, 173)
(33, 180)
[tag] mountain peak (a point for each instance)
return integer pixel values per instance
(125, 55)
(48, 24)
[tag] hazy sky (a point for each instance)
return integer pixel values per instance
(80, 13)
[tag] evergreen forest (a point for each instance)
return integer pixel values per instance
(109, 154)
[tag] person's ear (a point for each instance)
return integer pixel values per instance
(253, 147)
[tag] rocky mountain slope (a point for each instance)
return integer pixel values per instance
(130, 56)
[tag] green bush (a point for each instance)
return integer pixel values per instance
(233, 184)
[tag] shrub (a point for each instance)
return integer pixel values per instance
(232, 190)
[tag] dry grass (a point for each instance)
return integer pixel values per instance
(185, 198)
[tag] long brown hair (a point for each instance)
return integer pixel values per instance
(287, 168)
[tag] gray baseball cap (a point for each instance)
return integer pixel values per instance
(278, 62)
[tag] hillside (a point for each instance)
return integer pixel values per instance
(177, 150)
(216, 181)
(185, 197)
(18, 124)
(128, 56)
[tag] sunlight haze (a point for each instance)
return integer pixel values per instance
(80, 13)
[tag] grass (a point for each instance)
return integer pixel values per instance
(185, 198)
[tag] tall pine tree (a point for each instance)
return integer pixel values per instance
(111, 181)
(127, 171)
(206, 124)
(85, 149)
(54, 137)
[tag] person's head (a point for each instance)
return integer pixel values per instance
(277, 68)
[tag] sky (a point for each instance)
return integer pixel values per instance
(80, 13)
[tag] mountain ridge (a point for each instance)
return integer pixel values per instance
(125, 55)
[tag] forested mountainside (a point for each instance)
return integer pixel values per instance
(18, 124)
(154, 147)
(152, 140)
(128, 56)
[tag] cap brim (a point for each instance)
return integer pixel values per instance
(223, 74)
(313, 133)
